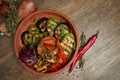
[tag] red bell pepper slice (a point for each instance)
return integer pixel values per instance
(49, 47)
(52, 68)
(61, 58)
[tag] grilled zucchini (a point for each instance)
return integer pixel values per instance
(67, 43)
(61, 30)
(51, 25)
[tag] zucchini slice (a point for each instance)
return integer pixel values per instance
(51, 25)
(61, 30)
(67, 43)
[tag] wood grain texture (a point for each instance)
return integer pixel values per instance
(102, 60)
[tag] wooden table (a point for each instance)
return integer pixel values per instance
(102, 60)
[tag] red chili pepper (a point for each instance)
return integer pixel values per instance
(83, 50)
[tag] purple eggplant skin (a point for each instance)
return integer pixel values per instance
(28, 56)
(41, 24)
(23, 37)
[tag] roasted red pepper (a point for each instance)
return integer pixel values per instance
(52, 68)
(61, 58)
(61, 55)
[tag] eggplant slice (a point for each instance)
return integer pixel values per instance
(41, 24)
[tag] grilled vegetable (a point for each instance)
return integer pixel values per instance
(61, 58)
(52, 68)
(48, 42)
(52, 41)
(32, 29)
(28, 56)
(41, 24)
(32, 36)
(61, 30)
(29, 39)
(40, 67)
(67, 43)
(51, 25)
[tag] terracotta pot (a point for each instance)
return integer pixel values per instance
(40, 14)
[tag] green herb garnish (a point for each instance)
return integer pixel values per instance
(82, 43)
(39, 57)
(74, 45)
(37, 31)
(83, 40)
(52, 26)
(12, 20)
(62, 29)
(81, 62)
(62, 21)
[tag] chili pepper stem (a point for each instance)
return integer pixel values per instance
(97, 33)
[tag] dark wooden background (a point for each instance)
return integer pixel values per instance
(102, 60)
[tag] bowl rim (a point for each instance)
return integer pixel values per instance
(75, 33)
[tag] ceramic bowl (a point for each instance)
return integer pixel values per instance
(40, 14)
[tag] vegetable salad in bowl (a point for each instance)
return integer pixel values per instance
(46, 44)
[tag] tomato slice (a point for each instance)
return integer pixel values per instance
(48, 38)
(48, 42)
(49, 47)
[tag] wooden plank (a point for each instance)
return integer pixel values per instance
(102, 60)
